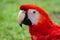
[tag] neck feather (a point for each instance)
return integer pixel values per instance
(42, 27)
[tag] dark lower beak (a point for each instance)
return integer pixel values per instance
(20, 25)
(26, 21)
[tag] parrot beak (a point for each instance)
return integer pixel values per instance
(23, 18)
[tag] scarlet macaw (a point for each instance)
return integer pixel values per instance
(40, 25)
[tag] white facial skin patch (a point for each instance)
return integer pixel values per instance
(33, 15)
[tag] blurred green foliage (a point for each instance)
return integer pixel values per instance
(9, 9)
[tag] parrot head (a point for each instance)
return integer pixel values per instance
(31, 14)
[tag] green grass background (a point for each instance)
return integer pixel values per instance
(9, 9)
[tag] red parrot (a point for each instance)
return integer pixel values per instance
(40, 25)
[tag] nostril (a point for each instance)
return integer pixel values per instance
(24, 9)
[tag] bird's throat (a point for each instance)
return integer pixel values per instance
(42, 28)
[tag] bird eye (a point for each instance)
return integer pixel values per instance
(34, 11)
